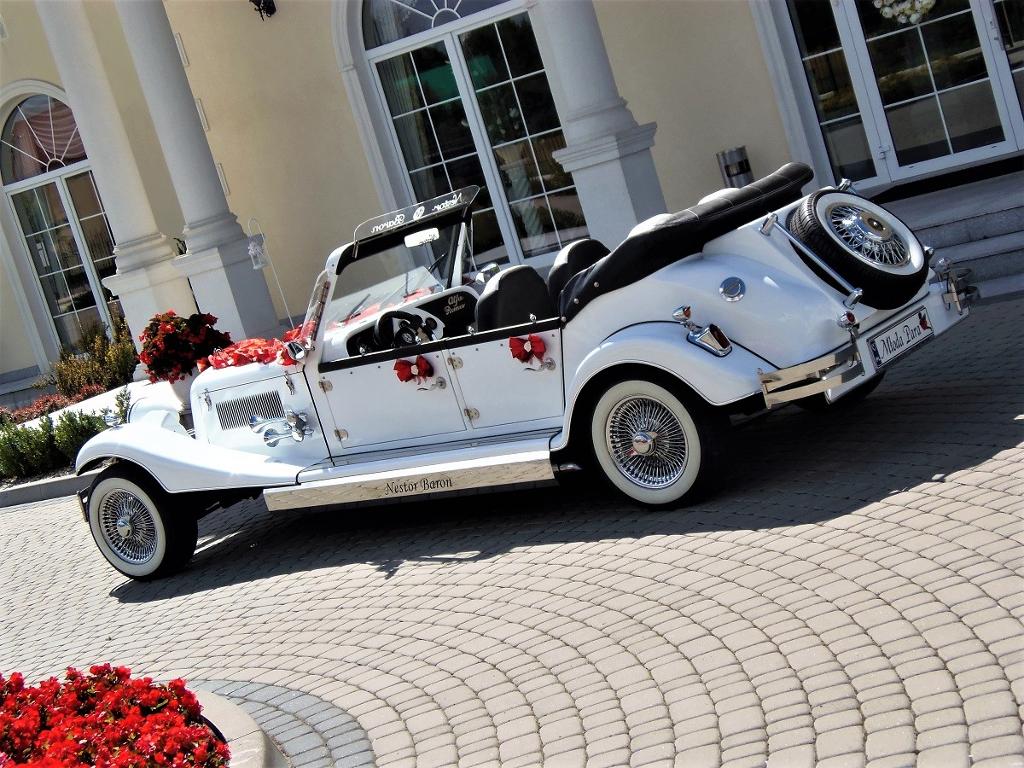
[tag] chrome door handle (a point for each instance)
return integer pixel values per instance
(546, 365)
(438, 383)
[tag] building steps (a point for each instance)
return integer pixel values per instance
(989, 258)
(979, 225)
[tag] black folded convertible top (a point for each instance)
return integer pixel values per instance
(682, 234)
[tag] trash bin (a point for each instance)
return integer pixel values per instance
(735, 167)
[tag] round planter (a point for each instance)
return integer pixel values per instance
(250, 746)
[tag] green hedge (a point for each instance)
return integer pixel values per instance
(29, 451)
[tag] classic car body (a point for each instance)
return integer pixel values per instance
(420, 374)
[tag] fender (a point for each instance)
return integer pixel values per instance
(663, 345)
(181, 464)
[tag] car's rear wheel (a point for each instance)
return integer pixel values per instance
(864, 243)
(652, 445)
(134, 528)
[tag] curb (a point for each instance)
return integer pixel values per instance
(250, 746)
(42, 490)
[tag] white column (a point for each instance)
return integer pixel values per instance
(608, 154)
(146, 281)
(217, 262)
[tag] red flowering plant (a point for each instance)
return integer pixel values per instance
(105, 718)
(173, 345)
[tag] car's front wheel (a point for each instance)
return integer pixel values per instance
(650, 444)
(131, 520)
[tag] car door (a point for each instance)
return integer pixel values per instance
(383, 399)
(510, 379)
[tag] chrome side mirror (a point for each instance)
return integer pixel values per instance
(296, 350)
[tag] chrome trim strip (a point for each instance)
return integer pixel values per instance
(492, 471)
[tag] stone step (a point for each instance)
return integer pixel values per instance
(991, 258)
(965, 201)
(1001, 288)
(974, 228)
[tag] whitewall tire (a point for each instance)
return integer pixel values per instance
(130, 522)
(649, 444)
(864, 243)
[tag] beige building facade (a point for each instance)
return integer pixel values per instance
(178, 129)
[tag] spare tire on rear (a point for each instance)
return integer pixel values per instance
(864, 243)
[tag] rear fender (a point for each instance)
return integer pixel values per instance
(663, 346)
(181, 464)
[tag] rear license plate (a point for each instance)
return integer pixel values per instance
(901, 337)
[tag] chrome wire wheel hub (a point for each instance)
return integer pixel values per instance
(646, 442)
(128, 527)
(867, 235)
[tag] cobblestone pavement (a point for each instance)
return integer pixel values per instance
(852, 595)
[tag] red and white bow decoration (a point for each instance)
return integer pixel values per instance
(524, 349)
(419, 369)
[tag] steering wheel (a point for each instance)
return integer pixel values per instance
(408, 334)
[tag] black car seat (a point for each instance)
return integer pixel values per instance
(573, 258)
(514, 296)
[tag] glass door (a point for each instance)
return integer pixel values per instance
(929, 86)
(475, 107)
(62, 220)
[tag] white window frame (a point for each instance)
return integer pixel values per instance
(778, 42)
(448, 33)
(59, 177)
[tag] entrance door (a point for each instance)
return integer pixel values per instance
(898, 99)
(930, 86)
(470, 103)
(50, 189)
(71, 248)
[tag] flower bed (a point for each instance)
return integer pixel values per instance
(105, 718)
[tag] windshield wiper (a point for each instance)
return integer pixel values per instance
(355, 309)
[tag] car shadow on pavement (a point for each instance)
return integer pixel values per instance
(788, 468)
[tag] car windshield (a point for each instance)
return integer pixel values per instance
(390, 274)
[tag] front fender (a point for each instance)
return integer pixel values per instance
(180, 463)
(663, 345)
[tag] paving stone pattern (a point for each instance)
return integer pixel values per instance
(853, 595)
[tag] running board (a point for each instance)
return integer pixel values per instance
(491, 466)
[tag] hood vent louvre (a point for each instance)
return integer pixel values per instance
(235, 414)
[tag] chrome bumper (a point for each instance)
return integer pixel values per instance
(810, 378)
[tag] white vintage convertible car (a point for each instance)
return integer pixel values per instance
(419, 373)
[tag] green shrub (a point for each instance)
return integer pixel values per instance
(73, 430)
(28, 451)
(101, 362)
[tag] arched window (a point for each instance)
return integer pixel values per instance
(468, 100)
(47, 180)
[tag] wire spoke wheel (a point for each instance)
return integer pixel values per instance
(864, 243)
(867, 235)
(128, 526)
(135, 526)
(646, 442)
(654, 445)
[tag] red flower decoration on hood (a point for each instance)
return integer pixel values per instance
(524, 349)
(419, 369)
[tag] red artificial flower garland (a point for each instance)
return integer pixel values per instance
(248, 351)
(105, 718)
